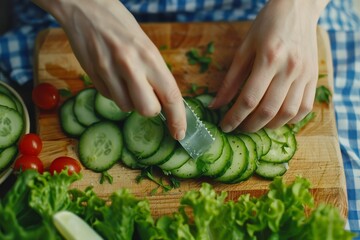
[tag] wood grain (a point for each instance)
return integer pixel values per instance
(318, 157)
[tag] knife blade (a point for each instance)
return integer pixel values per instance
(197, 138)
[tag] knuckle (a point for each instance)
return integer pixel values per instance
(150, 110)
(249, 101)
(274, 52)
(267, 112)
(289, 112)
(171, 96)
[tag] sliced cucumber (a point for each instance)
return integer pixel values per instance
(239, 160)
(143, 135)
(166, 149)
(283, 145)
(177, 159)
(252, 159)
(220, 166)
(108, 109)
(7, 156)
(190, 169)
(129, 160)
(7, 101)
(84, 107)
(68, 122)
(271, 170)
(205, 99)
(196, 106)
(15, 98)
(100, 146)
(257, 141)
(215, 150)
(265, 140)
(11, 126)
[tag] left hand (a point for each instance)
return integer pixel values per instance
(274, 72)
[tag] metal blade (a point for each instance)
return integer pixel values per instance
(197, 138)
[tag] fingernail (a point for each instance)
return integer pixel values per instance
(180, 135)
(226, 128)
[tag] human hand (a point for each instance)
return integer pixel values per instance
(274, 72)
(121, 60)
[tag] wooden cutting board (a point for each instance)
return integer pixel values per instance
(318, 157)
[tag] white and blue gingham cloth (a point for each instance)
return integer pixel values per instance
(343, 25)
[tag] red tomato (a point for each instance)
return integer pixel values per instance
(30, 144)
(45, 96)
(25, 162)
(62, 163)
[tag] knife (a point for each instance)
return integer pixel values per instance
(197, 138)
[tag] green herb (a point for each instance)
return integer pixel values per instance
(163, 47)
(169, 66)
(299, 125)
(86, 79)
(194, 88)
(322, 76)
(322, 95)
(203, 60)
(105, 176)
(147, 173)
(65, 92)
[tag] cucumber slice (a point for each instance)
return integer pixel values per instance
(205, 99)
(100, 146)
(257, 140)
(143, 135)
(7, 101)
(129, 160)
(265, 140)
(166, 149)
(220, 166)
(283, 145)
(177, 159)
(239, 160)
(190, 169)
(14, 96)
(11, 126)
(196, 106)
(216, 148)
(108, 109)
(252, 160)
(84, 107)
(68, 122)
(271, 170)
(7, 156)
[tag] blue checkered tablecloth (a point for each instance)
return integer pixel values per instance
(343, 25)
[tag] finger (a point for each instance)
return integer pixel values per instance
(235, 78)
(269, 105)
(307, 102)
(171, 100)
(250, 96)
(290, 106)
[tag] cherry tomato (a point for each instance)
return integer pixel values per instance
(30, 144)
(61, 163)
(45, 96)
(25, 162)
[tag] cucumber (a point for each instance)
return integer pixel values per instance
(84, 107)
(257, 141)
(7, 101)
(196, 106)
(11, 126)
(205, 99)
(100, 146)
(176, 160)
(190, 169)
(68, 122)
(129, 160)
(108, 109)
(271, 170)
(166, 149)
(14, 96)
(220, 166)
(252, 159)
(283, 145)
(215, 150)
(265, 141)
(7, 156)
(143, 135)
(239, 160)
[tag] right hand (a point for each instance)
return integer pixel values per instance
(121, 60)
